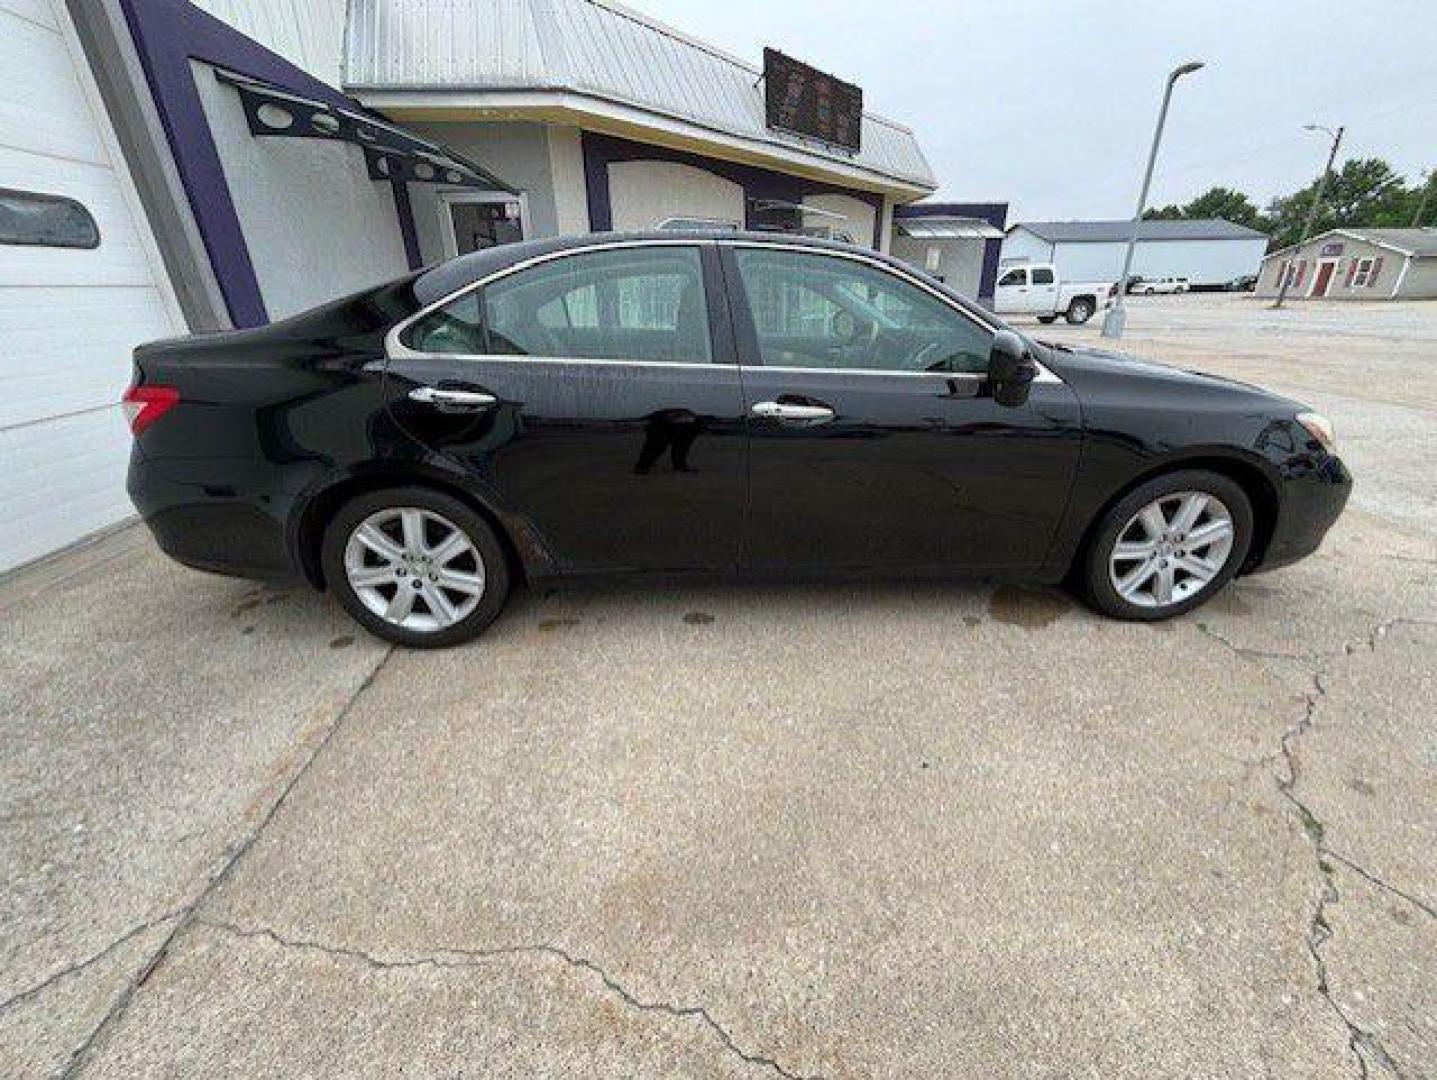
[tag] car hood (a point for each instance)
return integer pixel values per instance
(1074, 362)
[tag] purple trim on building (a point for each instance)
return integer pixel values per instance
(405, 209)
(995, 214)
(757, 183)
(168, 34)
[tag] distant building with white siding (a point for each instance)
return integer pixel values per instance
(1356, 264)
(1209, 253)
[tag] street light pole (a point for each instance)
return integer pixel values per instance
(1117, 317)
(1312, 210)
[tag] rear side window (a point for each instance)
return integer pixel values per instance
(625, 304)
(454, 328)
(1042, 276)
(36, 219)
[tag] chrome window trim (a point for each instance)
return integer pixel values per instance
(397, 350)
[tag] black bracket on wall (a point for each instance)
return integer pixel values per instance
(390, 152)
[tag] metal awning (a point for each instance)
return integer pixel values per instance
(390, 152)
(947, 227)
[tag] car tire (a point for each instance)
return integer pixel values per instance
(1113, 582)
(1046, 319)
(1080, 311)
(448, 598)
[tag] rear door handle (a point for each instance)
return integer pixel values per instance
(797, 415)
(452, 399)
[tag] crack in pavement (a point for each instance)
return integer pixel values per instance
(1363, 1044)
(15, 1000)
(186, 915)
(472, 958)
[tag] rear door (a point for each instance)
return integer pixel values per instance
(1043, 290)
(593, 396)
(874, 441)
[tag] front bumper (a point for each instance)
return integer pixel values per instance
(1313, 496)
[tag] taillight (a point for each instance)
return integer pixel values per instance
(144, 405)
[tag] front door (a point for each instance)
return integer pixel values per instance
(874, 442)
(593, 398)
(1011, 296)
(1325, 271)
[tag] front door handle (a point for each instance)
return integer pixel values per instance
(451, 399)
(797, 415)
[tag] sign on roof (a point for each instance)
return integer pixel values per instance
(805, 101)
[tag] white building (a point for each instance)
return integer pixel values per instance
(168, 166)
(1208, 253)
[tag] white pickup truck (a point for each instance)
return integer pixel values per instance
(1036, 289)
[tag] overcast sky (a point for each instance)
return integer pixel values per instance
(1049, 104)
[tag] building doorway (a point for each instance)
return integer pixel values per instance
(1325, 269)
(474, 220)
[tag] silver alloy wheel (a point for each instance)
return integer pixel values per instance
(1171, 549)
(414, 568)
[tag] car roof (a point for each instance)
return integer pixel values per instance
(442, 279)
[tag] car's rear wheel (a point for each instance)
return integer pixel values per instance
(415, 566)
(1167, 546)
(1080, 310)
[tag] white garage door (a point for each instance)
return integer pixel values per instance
(69, 316)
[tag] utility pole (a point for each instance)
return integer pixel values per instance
(1117, 317)
(1316, 205)
(1422, 205)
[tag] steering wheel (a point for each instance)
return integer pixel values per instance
(922, 354)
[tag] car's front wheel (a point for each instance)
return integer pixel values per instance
(1167, 546)
(415, 566)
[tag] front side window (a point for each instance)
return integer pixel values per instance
(817, 311)
(644, 303)
(1013, 277)
(34, 219)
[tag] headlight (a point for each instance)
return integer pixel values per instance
(1320, 428)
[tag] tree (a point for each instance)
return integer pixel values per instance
(1162, 213)
(1364, 191)
(1225, 203)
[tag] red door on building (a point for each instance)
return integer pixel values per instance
(1324, 275)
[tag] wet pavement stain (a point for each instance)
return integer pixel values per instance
(343, 641)
(972, 620)
(698, 618)
(1031, 609)
(547, 626)
(246, 605)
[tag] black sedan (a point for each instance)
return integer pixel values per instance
(704, 404)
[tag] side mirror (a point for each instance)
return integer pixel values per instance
(1010, 369)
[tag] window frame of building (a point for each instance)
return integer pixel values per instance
(1363, 274)
(447, 200)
